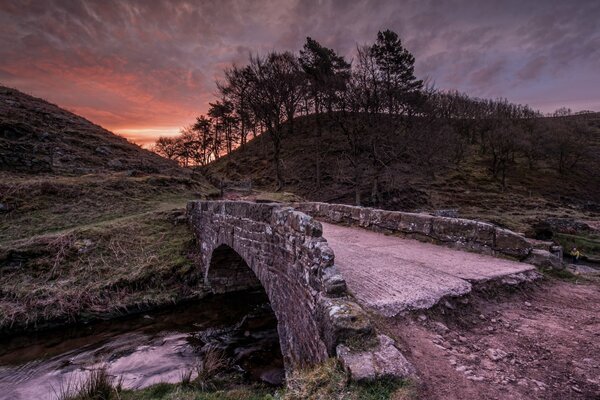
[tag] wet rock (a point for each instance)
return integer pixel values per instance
(384, 361)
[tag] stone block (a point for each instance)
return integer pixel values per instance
(343, 320)
(416, 223)
(453, 229)
(384, 361)
(390, 220)
(544, 259)
(511, 244)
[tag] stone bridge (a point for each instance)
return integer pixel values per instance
(246, 245)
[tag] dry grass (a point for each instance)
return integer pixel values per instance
(109, 269)
(45, 204)
(97, 385)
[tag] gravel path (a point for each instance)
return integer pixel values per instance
(390, 275)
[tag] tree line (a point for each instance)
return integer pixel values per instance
(382, 112)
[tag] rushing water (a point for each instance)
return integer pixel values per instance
(146, 349)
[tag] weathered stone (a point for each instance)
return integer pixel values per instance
(466, 234)
(247, 245)
(416, 223)
(453, 229)
(333, 282)
(510, 243)
(382, 361)
(344, 320)
(544, 259)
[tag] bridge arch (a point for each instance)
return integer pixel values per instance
(244, 245)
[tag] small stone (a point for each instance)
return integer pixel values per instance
(422, 317)
(575, 388)
(496, 354)
(462, 339)
(461, 368)
(481, 316)
(476, 378)
(527, 304)
(440, 327)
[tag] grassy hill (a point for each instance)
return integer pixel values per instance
(90, 224)
(530, 195)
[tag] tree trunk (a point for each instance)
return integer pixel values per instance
(277, 161)
(318, 146)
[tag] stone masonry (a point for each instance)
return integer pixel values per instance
(463, 234)
(245, 244)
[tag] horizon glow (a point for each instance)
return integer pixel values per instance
(146, 69)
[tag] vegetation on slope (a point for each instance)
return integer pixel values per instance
(94, 235)
(39, 137)
(528, 196)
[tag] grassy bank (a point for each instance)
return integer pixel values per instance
(76, 248)
(324, 382)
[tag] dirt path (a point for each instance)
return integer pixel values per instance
(389, 275)
(541, 343)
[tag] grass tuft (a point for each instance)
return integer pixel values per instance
(97, 385)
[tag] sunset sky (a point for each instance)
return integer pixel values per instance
(147, 68)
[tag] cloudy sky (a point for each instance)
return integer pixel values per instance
(146, 68)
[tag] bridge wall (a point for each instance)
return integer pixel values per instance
(285, 250)
(454, 232)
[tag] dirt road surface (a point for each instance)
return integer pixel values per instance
(538, 343)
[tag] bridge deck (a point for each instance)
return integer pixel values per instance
(390, 274)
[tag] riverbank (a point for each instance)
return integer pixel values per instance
(325, 382)
(81, 248)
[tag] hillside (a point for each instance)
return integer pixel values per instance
(39, 137)
(90, 224)
(531, 195)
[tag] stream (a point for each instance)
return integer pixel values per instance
(146, 349)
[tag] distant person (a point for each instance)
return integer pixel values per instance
(576, 254)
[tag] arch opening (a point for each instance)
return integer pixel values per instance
(229, 272)
(256, 345)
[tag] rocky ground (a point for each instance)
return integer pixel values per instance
(540, 343)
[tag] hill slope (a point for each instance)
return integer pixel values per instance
(90, 225)
(36, 136)
(530, 195)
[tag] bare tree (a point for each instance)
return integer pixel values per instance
(274, 96)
